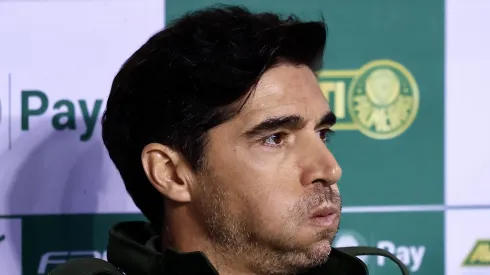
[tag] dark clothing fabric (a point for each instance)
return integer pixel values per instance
(134, 248)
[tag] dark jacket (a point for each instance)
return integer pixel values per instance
(134, 248)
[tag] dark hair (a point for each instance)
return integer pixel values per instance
(189, 78)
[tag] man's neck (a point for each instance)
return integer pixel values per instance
(190, 238)
(225, 262)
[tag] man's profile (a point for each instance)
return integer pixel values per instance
(219, 130)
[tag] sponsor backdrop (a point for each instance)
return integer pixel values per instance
(405, 79)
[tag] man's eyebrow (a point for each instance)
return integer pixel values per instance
(291, 122)
(329, 119)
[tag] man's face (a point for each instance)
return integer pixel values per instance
(269, 187)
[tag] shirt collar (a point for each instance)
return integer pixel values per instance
(133, 255)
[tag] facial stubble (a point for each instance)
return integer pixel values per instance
(235, 237)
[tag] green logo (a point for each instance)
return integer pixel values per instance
(346, 238)
(2, 237)
(36, 103)
(479, 255)
(380, 100)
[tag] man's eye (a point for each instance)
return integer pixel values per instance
(275, 139)
(325, 134)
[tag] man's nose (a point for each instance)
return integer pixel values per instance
(319, 165)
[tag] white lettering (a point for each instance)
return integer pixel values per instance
(386, 245)
(417, 256)
(55, 258)
(410, 256)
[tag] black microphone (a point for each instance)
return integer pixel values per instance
(86, 266)
(368, 250)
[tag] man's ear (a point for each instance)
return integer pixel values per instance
(168, 171)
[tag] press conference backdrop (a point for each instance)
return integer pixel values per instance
(407, 80)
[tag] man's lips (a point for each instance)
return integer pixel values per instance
(325, 216)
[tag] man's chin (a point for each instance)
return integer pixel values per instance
(315, 253)
(321, 249)
(301, 253)
(314, 256)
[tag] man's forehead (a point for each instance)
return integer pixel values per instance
(285, 81)
(286, 90)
